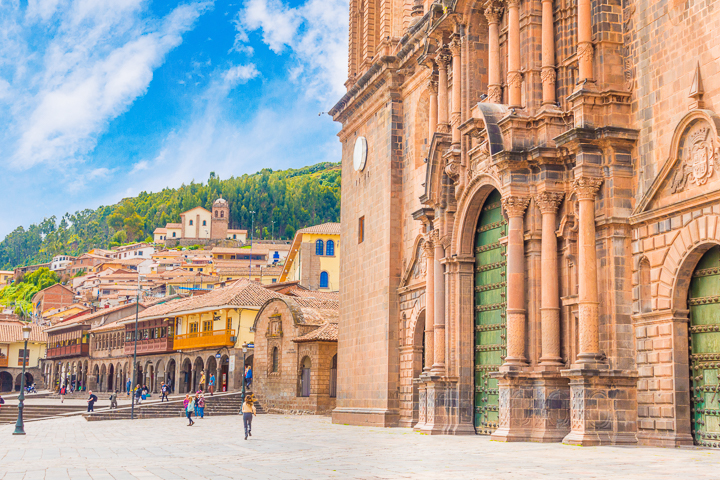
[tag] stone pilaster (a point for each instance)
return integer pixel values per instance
(493, 13)
(438, 368)
(433, 110)
(584, 41)
(548, 202)
(443, 60)
(514, 76)
(455, 47)
(515, 207)
(548, 74)
(429, 248)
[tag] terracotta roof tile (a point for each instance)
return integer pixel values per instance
(12, 332)
(325, 333)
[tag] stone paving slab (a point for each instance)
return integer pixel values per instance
(309, 447)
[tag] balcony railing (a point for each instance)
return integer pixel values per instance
(151, 345)
(3, 362)
(214, 338)
(68, 351)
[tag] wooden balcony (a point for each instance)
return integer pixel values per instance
(209, 339)
(151, 345)
(69, 351)
(3, 362)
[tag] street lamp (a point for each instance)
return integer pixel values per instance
(19, 425)
(244, 349)
(137, 313)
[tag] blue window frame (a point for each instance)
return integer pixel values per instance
(319, 247)
(324, 280)
(330, 248)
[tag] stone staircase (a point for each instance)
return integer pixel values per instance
(9, 413)
(219, 404)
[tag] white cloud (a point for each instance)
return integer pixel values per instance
(140, 166)
(239, 74)
(98, 58)
(315, 32)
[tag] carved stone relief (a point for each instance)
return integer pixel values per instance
(699, 158)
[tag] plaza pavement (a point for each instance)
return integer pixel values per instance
(295, 447)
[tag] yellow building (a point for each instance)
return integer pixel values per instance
(314, 258)
(6, 276)
(264, 275)
(221, 318)
(12, 354)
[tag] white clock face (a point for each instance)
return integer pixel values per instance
(360, 154)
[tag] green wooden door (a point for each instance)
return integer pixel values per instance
(704, 302)
(490, 343)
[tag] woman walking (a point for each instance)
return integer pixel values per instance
(189, 405)
(248, 410)
(63, 390)
(200, 405)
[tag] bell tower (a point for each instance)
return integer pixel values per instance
(220, 219)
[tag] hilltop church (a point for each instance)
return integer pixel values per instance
(531, 220)
(198, 225)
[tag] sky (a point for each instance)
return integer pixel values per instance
(101, 100)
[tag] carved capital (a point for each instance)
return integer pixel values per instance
(432, 84)
(513, 3)
(548, 75)
(494, 94)
(515, 206)
(514, 79)
(455, 45)
(587, 187)
(428, 246)
(443, 58)
(493, 12)
(452, 170)
(585, 51)
(548, 202)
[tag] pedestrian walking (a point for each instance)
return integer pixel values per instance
(248, 376)
(2, 401)
(211, 385)
(128, 386)
(200, 405)
(188, 403)
(63, 391)
(195, 403)
(248, 410)
(164, 392)
(91, 401)
(113, 399)
(138, 394)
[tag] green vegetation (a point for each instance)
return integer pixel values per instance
(292, 199)
(21, 292)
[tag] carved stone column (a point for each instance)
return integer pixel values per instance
(433, 113)
(514, 77)
(493, 13)
(548, 74)
(548, 202)
(515, 207)
(584, 39)
(589, 339)
(455, 50)
(443, 60)
(429, 303)
(438, 368)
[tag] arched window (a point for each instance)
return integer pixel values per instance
(204, 223)
(319, 247)
(216, 213)
(324, 280)
(191, 222)
(222, 213)
(330, 248)
(275, 360)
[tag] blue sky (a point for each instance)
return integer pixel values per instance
(100, 100)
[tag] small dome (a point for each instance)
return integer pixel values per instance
(220, 201)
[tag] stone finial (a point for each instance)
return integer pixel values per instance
(696, 90)
(587, 187)
(548, 202)
(515, 205)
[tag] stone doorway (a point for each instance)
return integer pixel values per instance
(704, 304)
(490, 304)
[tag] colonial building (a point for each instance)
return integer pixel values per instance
(295, 358)
(314, 258)
(200, 226)
(13, 354)
(530, 215)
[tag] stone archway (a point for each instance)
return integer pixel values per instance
(6, 382)
(197, 373)
(159, 376)
(102, 386)
(170, 375)
(211, 369)
(186, 376)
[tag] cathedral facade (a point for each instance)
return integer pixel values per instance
(531, 220)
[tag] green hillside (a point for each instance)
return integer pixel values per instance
(293, 199)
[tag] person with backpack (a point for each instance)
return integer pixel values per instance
(63, 391)
(91, 402)
(189, 406)
(248, 410)
(164, 392)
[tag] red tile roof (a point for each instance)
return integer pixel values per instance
(329, 228)
(12, 332)
(326, 333)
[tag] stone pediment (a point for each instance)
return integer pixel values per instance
(415, 270)
(692, 169)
